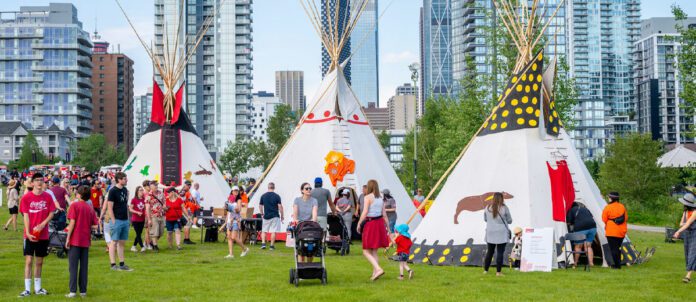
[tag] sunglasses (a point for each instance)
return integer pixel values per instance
(307, 188)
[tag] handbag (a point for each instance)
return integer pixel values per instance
(620, 220)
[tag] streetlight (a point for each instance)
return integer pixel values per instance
(414, 67)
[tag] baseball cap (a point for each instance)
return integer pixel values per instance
(318, 180)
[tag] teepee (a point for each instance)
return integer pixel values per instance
(521, 150)
(170, 151)
(333, 139)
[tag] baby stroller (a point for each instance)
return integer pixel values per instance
(337, 238)
(56, 240)
(309, 242)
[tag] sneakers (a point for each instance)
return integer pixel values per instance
(272, 248)
(263, 246)
(149, 247)
(178, 248)
(25, 293)
(195, 226)
(125, 268)
(71, 295)
(142, 250)
(188, 241)
(114, 268)
(156, 249)
(83, 295)
(41, 292)
(134, 249)
(230, 256)
(246, 250)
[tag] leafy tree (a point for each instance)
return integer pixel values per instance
(566, 94)
(631, 168)
(94, 152)
(686, 58)
(31, 154)
(236, 157)
(280, 126)
(593, 167)
(384, 139)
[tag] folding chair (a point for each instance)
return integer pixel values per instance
(571, 237)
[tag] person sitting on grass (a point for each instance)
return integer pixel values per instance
(37, 207)
(83, 220)
(233, 207)
(402, 239)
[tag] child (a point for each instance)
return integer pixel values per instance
(516, 253)
(83, 220)
(403, 249)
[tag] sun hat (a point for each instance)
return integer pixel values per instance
(386, 192)
(688, 200)
(235, 188)
(517, 230)
(402, 229)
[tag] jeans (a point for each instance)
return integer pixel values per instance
(78, 256)
(499, 250)
(615, 248)
(392, 223)
(138, 227)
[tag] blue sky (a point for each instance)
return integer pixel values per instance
(284, 38)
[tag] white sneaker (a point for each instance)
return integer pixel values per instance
(244, 252)
(71, 295)
(134, 249)
(195, 227)
(82, 295)
(149, 247)
(230, 256)
(142, 250)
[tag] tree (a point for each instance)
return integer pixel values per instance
(686, 58)
(566, 94)
(94, 152)
(631, 168)
(384, 139)
(280, 127)
(593, 167)
(31, 154)
(236, 157)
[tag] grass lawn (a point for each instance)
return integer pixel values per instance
(199, 273)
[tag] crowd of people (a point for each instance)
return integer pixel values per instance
(86, 204)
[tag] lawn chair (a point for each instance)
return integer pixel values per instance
(574, 237)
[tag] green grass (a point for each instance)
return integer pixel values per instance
(199, 273)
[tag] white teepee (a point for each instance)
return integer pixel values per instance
(334, 121)
(517, 151)
(171, 151)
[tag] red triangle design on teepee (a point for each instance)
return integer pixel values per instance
(157, 115)
(177, 104)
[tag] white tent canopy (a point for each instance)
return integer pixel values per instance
(334, 122)
(679, 157)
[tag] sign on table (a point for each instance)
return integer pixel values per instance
(537, 250)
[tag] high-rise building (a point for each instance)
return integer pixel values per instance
(377, 117)
(289, 87)
(406, 89)
(402, 108)
(262, 109)
(365, 60)
(142, 112)
(601, 35)
(45, 68)
(657, 82)
(112, 95)
(330, 11)
(436, 50)
(395, 149)
(218, 76)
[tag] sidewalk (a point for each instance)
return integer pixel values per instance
(645, 228)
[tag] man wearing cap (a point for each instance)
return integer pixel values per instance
(323, 197)
(271, 209)
(61, 196)
(615, 220)
(345, 209)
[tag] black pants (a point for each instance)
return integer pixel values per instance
(499, 250)
(138, 226)
(78, 256)
(615, 248)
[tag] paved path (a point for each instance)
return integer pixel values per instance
(646, 228)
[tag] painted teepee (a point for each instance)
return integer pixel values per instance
(170, 151)
(521, 150)
(333, 125)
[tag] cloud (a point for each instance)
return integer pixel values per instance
(400, 57)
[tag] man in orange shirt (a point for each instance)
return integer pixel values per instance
(615, 220)
(190, 207)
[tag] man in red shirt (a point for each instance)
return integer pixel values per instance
(82, 220)
(37, 207)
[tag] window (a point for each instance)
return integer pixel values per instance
(101, 59)
(101, 84)
(101, 75)
(101, 109)
(101, 92)
(101, 67)
(7, 139)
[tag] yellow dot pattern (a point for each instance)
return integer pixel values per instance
(520, 100)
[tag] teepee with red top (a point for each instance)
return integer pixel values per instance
(170, 151)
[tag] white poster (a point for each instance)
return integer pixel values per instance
(537, 250)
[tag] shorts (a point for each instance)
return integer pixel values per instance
(157, 227)
(322, 221)
(14, 210)
(402, 257)
(233, 226)
(36, 249)
(120, 229)
(589, 235)
(271, 225)
(107, 232)
(173, 225)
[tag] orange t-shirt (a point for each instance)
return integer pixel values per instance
(611, 211)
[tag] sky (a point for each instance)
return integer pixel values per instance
(283, 38)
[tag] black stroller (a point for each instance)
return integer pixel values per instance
(57, 240)
(338, 238)
(309, 242)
